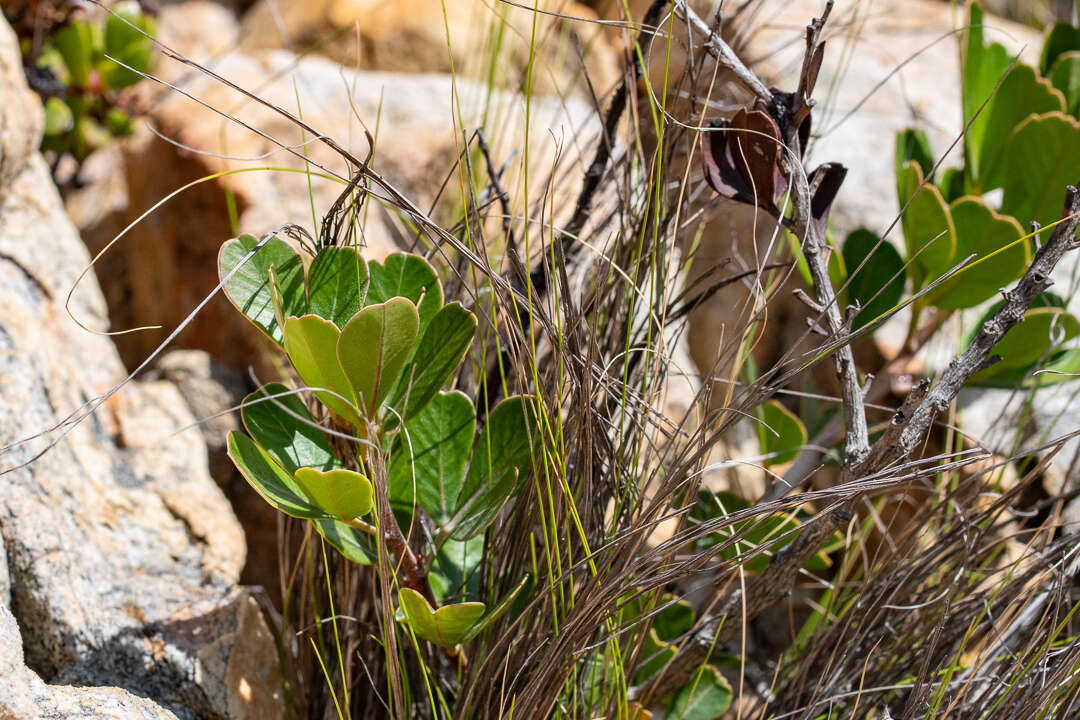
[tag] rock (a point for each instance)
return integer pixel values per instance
(24, 696)
(122, 554)
(417, 36)
(20, 115)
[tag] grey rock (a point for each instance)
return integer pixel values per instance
(20, 113)
(122, 554)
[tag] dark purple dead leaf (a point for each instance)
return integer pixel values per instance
(719, 170)
(755, 149)
(825, 182)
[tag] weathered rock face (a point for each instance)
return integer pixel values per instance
(418, 36)
(121, 554)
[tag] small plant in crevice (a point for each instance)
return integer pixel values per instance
(375, 345)
(79, 65)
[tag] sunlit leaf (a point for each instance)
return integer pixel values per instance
(929, 232)
(311, 344)
(350, 543)
(408, 276)
(249, 287)
(373, 348)
(446, 626)
(1041, 329)
(1040, 160)
(126, 40)
(343, 494)
(706, 697)
(779, 432)
(982, 70)
(294, 440)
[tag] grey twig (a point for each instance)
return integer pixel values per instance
(719, 49)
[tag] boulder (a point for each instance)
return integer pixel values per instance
(122, 555)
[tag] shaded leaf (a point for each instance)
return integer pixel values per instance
(249, 287)
(913, 145)
(337, 284)
(1041, 158)
(1022, 347)
(779, 432)
(442, 346)
(981, 232)
(290, 440)
(706, 697)
(343, 494)
(1062, 38)
(453, 571)
(269, 479)
(446, 626)
(498, 611)
(882, 275)
(311, 344)
(501, 460)
(1065, 76)
(929, 232)
(351, 544)
(408, 276)
(432, 453)
(373, 348)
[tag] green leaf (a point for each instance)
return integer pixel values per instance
(337, 284)
(249, 287)
(674, 620)
(913, 145)
(408, 276)
(432, 453)
(441, 348)
(1062, 38)
(119, 122)
(269, 479)
(951, 184)
(446, 626)
(655, 654)
(501, 461)
(779, 432)
(311, 344)
(76, 46)
(980, 231)
(1040, 159)
(882, 275)
(453, 571)
(58, 117)
(1021, 94)
(983, 68)
(291, 441)
(373, 348)
(352, 545)
(127, 44)
(1065, 76)
(928, 227)
(343, 494)
(1028, 341)
(706, 697)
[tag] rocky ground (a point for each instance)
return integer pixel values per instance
(123, 589)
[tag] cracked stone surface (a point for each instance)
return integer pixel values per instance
(118, 580)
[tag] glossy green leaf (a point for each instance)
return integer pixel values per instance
(126, 30)
(311, 344)
(446, 626)
(1065, 76)
(706, 697)
(337, 284)
(269, 479)
(1027, 342)
(431, 454)
(501, 460)
(882, 275)
(343, 494)
(982, 70)
(779, 432)
(982, 232)
(408, 276)
(76, 45)
(929, 232)
(1062, 38)
(442, 346)
(1021, 94)
(58, 117)
(913, 145)
(373, 348)
(249, 287)
(1041, 158)
(350, 543)
(453, 573)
